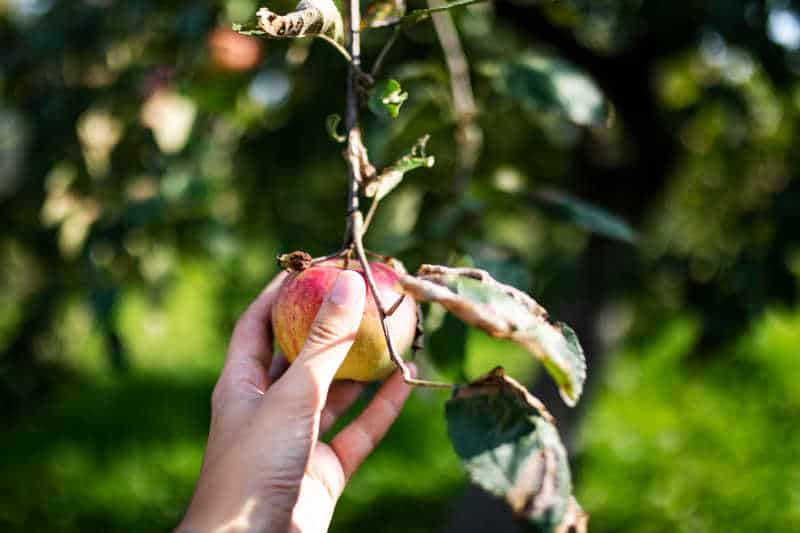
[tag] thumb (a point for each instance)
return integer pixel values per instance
(331, 335)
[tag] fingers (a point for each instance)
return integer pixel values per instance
(331, 335)
(355, 442)
(341, 396)
(250, 350)
(277, 367)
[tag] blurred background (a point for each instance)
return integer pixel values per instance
(637, 174)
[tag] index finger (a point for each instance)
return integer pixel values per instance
(250, 349)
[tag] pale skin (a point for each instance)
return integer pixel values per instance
(265, 469)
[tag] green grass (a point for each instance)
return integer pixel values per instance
(680, 443)
(671, 442)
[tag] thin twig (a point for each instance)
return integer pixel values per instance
(376, 67)
(398, 361)
(352, 22)
(418, 15)
(318, 260)
(395, 305)
(339, 48)
(371, 212)
(355, 155)
(468, 135)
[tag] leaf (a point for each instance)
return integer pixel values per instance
(543, 84)
(503, 311)
(309, 18)
(382, 184)
(386, 98)
(510, 447)
(381, 13)
(332, 125)
(563, 206)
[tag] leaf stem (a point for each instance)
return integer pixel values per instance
(371, 212)
(376, 67)
(418, 15)
(339, 48)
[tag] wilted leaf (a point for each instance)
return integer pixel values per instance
(544, 84)
(332, 125)
(309, 18)
(503, 311)
(382, 184)
(509, 446)
(382, 13)
(386, 98)
(568, 208)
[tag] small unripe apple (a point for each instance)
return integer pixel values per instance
(301, 296)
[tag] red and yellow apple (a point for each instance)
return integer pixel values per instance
(301, 296)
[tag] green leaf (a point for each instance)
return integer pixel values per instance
(541, 83)
(509, 446)
(503, 311)
(381, 13)
(385, 182)
(562, 206)
(332, 125)
(386, 98)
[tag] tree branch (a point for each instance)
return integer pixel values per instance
(357, 165)
(468, 135)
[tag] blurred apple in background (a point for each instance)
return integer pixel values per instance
(232, 52)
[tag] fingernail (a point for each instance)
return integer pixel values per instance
(412, 369)
(345, 291)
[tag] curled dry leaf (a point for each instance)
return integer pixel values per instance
(506, 312)
(356, 154)
(510, 447)
(310, 17)
(296, 261)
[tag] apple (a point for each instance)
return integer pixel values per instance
(233, 52)
(301, 296)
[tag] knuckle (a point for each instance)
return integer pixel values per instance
(325, 331)
(301, 388)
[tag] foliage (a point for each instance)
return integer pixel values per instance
(137, 138)
(677, 437)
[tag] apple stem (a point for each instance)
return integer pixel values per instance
(318, 260)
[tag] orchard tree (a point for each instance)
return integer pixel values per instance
(506, 437)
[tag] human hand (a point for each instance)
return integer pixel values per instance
(265, 468)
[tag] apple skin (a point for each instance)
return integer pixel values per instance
(301, 296)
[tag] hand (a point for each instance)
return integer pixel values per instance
(265, 468)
